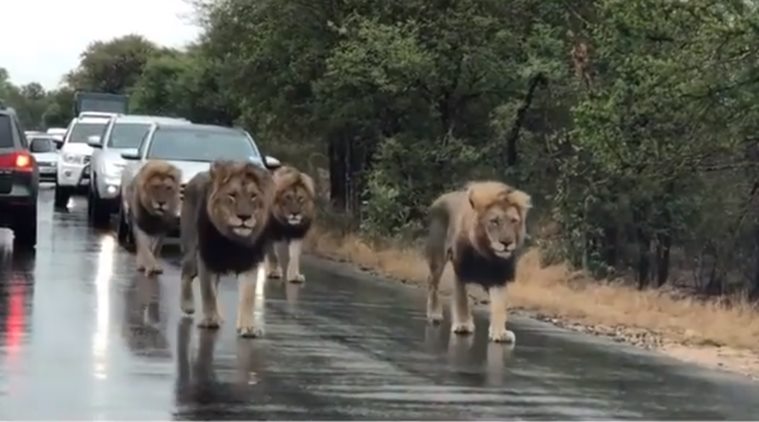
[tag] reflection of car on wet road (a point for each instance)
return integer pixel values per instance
(73, 167)
(191, 148)
(122, 132)
(44, 149)
(19, 181)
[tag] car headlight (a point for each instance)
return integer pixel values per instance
(73, 158)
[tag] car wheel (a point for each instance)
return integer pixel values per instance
(25, 228)
(124, 232)
(98, 211)
(62, 196)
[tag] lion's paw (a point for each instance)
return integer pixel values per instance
(249, 332)
(463, 327)
(187, 306)
(434, 318)
(296, 278)
(275, 273)
(153, 269)
(501, 335)
(211, 323)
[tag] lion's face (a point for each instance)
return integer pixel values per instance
(240, 199)
(294, 205)
(504, 228)
(160, 191)
(501, 218)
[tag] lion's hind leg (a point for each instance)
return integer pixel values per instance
(437, 258)
(189, 272)
(272, 261)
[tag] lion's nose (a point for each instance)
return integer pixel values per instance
(161, 204)
(244, 216)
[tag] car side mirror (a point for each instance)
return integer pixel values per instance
(271, 163)
(130, 154)
(58, 143)
(94, 141)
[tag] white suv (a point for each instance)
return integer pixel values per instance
(122, 132)
(72, 175)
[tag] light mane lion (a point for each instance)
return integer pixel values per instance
(291, 217)
(153, 202)
(479, 229)
(224, 216)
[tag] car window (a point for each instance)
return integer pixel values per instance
(82, 131)
(21, 136)
(201, 145)
(6, 132)
(128, 135)
(41, 145)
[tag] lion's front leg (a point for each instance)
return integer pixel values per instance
(189, 272)
(146, 260)
(271, 261)
(155, 250)
(247, 296)
(498, 315)
(293, 266)
(462, 320)
(208, 294)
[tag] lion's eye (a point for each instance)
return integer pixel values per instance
(253, 196)
(494, 221)
(514, 220)
(301, 200)
(232, 197)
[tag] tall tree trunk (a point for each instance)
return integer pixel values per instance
(644, 259)
(337, 173)
(511, 141)
(663, 246)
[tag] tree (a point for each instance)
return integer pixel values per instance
(114, 66)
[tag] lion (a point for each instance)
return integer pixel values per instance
(291, 217)
(479, 229)
(223, 225)
(152, 200)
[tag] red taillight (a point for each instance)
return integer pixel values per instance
(23, 161)
(20, 161)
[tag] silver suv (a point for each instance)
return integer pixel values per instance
(123, 132)
(72, 175)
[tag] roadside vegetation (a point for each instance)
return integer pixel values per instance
(633, 124)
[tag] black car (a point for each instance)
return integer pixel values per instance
(19, 181)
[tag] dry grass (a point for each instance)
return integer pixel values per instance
(567, 295)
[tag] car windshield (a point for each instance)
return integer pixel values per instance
(201, 145)
(82, 131)
(6, 132)
(128, 135)
(41, 145)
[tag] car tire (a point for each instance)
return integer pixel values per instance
(62, 195)
(124, 232)
(97, 210)
(25, 228)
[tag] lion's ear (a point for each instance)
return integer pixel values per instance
(218, 169)
(521, 200)
(308, 183)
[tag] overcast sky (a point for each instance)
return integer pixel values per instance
(42, 39)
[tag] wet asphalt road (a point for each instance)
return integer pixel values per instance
(82, 336)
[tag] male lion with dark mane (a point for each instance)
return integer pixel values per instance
(478, 229)
(153, 200)
(225, 213)
(291, 217)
